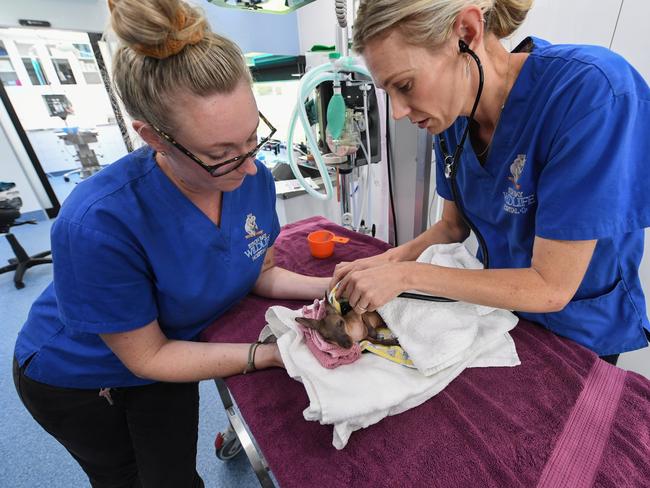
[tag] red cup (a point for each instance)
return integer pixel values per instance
(321, 243)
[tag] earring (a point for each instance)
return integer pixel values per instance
(163, 153)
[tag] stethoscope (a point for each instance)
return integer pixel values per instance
(451, 162)
(451, 169)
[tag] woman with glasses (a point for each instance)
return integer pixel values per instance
(149, 252)
(543, 150)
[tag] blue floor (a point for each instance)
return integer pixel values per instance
(29, 457)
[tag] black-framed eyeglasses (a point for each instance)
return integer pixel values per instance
(225, 167)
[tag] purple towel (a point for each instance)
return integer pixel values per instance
(491, 427)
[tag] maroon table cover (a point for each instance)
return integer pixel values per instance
(491, 427)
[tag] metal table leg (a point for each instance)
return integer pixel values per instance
(254, 456)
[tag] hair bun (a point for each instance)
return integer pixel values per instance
(157, 28)
(506, 16)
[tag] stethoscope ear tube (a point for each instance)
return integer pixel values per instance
(451, 162)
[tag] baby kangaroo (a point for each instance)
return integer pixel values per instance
(345, 329)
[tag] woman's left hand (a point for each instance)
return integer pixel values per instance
(369, 289)
(277, 357)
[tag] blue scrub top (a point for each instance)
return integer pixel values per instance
(128, 248)
(570, 160)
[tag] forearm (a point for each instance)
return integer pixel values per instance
(185, 361)
(523, 290)
(279, 283)
(439, 233)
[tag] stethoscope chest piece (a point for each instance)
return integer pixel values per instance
(449, 166)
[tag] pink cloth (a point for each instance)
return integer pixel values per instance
(328, 355)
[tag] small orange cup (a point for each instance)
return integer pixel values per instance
(321, 243)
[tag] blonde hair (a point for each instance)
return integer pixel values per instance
(167, 49)
(429, 22)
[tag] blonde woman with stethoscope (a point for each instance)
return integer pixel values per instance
(549, 165)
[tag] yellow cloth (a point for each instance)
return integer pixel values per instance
(334, 302)
(393, 353)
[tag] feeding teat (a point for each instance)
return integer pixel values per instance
(340, 304)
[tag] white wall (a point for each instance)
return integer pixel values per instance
(574, 22)
(79, 15)
(316, 24)
(631, 39)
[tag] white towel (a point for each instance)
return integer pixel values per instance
(437, 335)
(360, 394)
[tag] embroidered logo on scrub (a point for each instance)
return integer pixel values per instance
(515, 201)
(257, 247)
(251, 226)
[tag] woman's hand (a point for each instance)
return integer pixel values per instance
(345, 268)
(277, 357)
(370, 288)
(276, 360)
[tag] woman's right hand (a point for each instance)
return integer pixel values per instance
(345, 268)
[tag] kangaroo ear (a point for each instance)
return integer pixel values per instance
(309, 323)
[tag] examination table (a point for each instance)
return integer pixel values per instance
(561, 418)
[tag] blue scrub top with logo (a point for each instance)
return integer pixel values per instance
(128, 248)
(570, 160)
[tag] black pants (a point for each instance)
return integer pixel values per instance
(146, 439)
(613, 359)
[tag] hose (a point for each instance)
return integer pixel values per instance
(300, 112)
(366, 109)
(341, 13)
(365, 202)
(324, 72)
